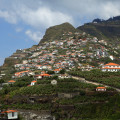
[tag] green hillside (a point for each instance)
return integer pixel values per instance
(55, 32)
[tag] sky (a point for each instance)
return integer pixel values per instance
(24, 22)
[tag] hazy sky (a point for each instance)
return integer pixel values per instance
(23, 22)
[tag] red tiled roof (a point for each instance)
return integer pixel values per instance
(34, 81)
(112, 64)
(9, 111)
(45, 75)
(56, 70)
(101, 88)
(12, 81)
(21, 72)
(110, 68)
(58, 63)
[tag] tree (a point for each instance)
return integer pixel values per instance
(50, 72)
(1, 81)
(62, 71)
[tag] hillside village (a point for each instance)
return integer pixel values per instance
(55, 58)
(38, 69)
(74, 50)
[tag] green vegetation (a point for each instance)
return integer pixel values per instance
(108, 78)
(83, 101)
(30, 106)
(38, 89)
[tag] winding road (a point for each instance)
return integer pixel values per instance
(94, 83)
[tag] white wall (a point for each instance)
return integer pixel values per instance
(12, 117)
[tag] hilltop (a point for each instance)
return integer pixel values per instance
(55, 32)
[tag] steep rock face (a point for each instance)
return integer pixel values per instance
(10, 61)
(15, 58)
(55, 32)
(104, 29)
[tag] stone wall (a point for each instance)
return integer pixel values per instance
(36, 115)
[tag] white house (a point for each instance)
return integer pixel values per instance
(33, 83)
(18, 65)
(38, 76)
(63, 76)
(57, 70)
(25, 61)
(9, 115)
(111, 57)
(39, 67)
(31, 74)
(101, 89)
(111, 67)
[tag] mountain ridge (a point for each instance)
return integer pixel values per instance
(104, 29)
(116, 18)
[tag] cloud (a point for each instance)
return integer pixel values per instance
(42, 16)
(19, 29)
(87, 10)
(37, 17)
(110, 10)
(9, 16)
(35, 36)
(39, 14)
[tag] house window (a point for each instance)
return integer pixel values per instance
(12, 114)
